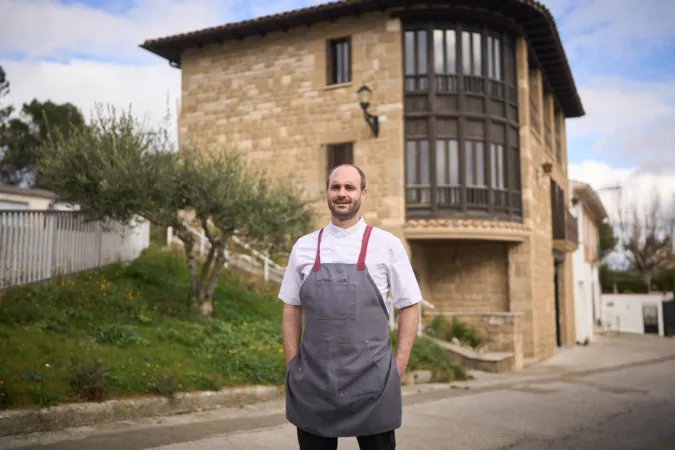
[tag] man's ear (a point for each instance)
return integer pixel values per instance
(364, 192)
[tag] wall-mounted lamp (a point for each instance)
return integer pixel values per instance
(373, 122)
(547, 167)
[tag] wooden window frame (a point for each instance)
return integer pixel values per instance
(332, 76)
(332, 150)
(492, 93)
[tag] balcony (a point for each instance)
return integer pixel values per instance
(564, 225)
(462, 202)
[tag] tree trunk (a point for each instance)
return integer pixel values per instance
(189, 245)
(208, 285)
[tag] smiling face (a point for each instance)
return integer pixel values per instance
(344, 195)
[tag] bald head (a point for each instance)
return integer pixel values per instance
(348, 172)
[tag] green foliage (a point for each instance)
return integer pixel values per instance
(127, 330)
(447, 330)
(629, 282)
(120, 169)
(428, 356)
(21, 136)
(87, 379)
(608, 240)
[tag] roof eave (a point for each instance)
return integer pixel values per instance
(172, 47)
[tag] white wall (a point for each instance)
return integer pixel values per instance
(586, 286)
(21, 202)
(623, 312)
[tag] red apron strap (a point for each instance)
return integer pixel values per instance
(317, 260)
(364, 248)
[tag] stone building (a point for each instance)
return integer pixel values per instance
(462, 137)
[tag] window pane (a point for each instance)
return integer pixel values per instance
(469, 157)
(409, 52)
(411, 162)
(451, 50)
(498, 60)
(439, 53)
(466, 52)
(345, 48)
(490, 67)
(441, 172)
(480, 164)
(424, 162)
(422, 52)
(493, 164)
(500, 166)
(477, 67)
(454, 162)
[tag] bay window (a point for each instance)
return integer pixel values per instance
(461, 121)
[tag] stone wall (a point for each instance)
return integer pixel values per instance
(499, 332)
(463, 276)
(269, 96)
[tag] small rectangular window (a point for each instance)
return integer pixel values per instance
(338, 58)
(339, 154)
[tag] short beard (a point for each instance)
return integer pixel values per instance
(345, 215)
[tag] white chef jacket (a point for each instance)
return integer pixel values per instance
(386, 259)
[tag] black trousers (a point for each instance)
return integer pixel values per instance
(381, 441)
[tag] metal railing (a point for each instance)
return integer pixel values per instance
(37, 245)
(268, 266)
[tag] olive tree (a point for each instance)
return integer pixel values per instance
(119, 169)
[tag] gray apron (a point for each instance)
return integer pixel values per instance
(343, 381)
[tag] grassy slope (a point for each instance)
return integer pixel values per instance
(133, 324)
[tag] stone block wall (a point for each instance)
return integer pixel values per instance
(269, 97)
(499, 332)
(463, 276)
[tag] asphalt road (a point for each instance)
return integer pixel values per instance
(620, 409)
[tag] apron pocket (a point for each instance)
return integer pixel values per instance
(359, 378)
(331, 300)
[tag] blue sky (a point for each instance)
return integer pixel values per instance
(622, 53)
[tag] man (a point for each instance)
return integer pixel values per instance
(343, 379)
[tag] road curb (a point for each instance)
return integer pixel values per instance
(56, 418)
(85, 414)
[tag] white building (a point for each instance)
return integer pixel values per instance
(589, 211)
(639, 313)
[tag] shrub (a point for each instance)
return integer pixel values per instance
(88, 379)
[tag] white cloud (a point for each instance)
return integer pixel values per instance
(635, 186)
(629, 120)
(620, 29)
(147, 89)
(76, 29)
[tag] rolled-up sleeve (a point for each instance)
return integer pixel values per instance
(405, 291)
(289, 292)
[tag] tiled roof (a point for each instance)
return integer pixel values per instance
(533, 17)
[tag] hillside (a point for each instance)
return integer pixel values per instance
(127, 330)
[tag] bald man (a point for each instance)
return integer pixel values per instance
(342, 378)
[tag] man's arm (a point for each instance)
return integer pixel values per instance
(289, 293)
(291, 330)
(407, 331)
(406, 296)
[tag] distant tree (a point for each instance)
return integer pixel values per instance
(646, 235)
(119, 169)
(608, 240)
(20, 136)
(5, 111)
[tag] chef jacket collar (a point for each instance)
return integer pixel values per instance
(344, 232)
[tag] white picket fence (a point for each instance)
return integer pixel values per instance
(37, 245)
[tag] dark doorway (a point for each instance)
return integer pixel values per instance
(650, 318)
(669, 317)
(557, 264)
